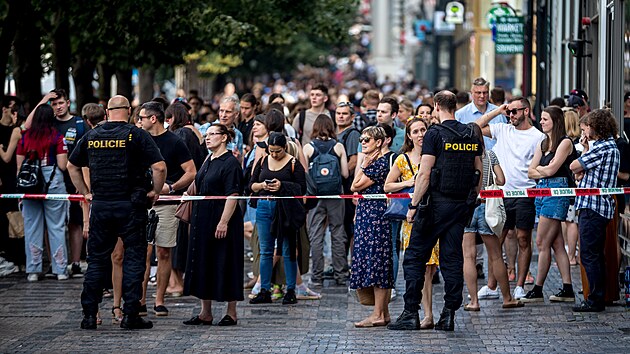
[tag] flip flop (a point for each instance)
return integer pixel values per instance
(364, 324)
(513, 305)
(227, 321)
(467, 307)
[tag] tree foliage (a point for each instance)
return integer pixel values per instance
(123, 34)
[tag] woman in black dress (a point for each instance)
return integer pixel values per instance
(215, 253)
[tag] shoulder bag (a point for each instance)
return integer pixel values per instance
(398, 207)
(184, 209)
(495, 210)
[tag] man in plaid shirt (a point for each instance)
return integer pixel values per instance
(596, 168)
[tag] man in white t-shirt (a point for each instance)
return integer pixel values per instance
(516, 143)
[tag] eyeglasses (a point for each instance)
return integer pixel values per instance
(345, 104)
(144, 117)
(365, 139)
(514, 111)
(121, 107)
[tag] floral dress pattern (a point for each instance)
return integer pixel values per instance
(406, 174)
(372, 263)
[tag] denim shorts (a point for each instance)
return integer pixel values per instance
(553, 207)
(478, 222)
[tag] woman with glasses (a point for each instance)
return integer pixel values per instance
(277, 174)
(372, 264)
(215, 253)
(550, 166)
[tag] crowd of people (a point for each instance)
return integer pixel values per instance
(442, 148)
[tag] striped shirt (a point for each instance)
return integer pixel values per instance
(601, 165)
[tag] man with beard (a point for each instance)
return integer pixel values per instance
(516, 143)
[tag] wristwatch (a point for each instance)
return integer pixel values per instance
(170, 189)
(412, 207)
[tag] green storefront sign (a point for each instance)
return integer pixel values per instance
(509, 35)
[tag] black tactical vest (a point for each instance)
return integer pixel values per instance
(454, 174)
(114, 175)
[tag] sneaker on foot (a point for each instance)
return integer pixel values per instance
(533, 296)
(160, 310)
(485, 293)
(519, 293)
(289, 297)
(563, 296)
(263, 297)
(32, 277)
(62, 276)
(304, 293)
(75, 271)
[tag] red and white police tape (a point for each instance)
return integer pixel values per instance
(485, 194)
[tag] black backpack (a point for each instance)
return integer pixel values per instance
(325, 172)
(31, 179)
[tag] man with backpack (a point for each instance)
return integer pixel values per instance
(328, 165)
(303, 123)
(72, 128)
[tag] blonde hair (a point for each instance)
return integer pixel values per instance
(571, 123)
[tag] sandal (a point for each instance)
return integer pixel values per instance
(468, 307)
(116, 319)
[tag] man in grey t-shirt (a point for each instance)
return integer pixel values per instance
(303, 123)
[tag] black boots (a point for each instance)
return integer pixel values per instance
(135, 322)
(89, 322)
(446, 321)
(289, 298)
(263, 297)
(408, 320)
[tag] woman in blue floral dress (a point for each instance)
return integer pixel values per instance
(372, 264)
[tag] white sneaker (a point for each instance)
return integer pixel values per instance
(485, 293)
(519, 293)
(62, 277)
(32, 277)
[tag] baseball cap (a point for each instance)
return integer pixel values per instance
(577, 98)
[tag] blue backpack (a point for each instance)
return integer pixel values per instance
(325, 172)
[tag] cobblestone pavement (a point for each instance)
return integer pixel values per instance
(45, 316)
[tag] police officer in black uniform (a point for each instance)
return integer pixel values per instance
(119, 156)
(442, 204)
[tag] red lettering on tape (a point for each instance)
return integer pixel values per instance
(580, 192)
(539, 192)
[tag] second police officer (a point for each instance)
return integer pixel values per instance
(444, 198)
(118, 155)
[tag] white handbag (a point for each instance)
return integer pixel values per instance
(495, 210)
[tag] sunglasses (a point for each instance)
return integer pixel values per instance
(365, 139)
(514, 111)
(345, 104)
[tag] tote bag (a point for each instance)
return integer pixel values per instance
(495, 210)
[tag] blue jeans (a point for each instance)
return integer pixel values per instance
(264, 215)
(553, 207)
(592, 240)
(54, 213)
